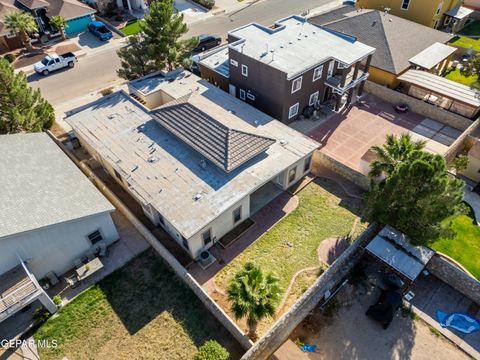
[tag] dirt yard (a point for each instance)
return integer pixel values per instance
(350, 335)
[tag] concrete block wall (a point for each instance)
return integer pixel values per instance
(319, 158)
(456, 278)
(282, 329)
(462, 141)
(418, 106)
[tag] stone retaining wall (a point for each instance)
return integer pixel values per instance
(179, 270)
(281, 330)
(418, 106)
(461, 142)
(319, 158)
(456, 278)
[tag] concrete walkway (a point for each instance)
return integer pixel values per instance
(473, 199)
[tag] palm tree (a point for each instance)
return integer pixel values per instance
(395, 150)
(59, 24)
(253, 294)
(21, 23)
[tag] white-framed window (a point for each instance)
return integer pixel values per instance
(242, 94)
(307, 163)
(317, 73)
(251, 96)
(297, 84)
(95, 237)
(439, 8)
(405, 4)
(331, 65)
(237, 215)
(234, 62)
(245, 70)
(313, 99)
(293, 110)
(207, 237)
(292, 174)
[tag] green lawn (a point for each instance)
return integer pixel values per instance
(292, 244)
(465, 247)
(473, 29)
(141, 311)
(456, 76)
(131, 28)
(466, 42)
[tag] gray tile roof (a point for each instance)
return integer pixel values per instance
(396, 40)
(225, 147)
(41, 186)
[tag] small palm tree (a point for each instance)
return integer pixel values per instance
(394, 151)
(21, 23)
(253, 294)
(59, 24)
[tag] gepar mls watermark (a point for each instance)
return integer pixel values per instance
(17, 343)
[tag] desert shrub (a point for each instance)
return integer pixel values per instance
(212, 350)
(10, 58)
(209, 4)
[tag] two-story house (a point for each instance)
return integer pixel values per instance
(287, 68)
(437, 14)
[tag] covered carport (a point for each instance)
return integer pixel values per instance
(445, 93)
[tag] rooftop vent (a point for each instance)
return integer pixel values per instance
(283, 142)
(152, 159)
(135, 168)
(197, 196)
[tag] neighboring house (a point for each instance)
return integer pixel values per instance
(400, 44)
(437, 14)
(8, 40)
(200, 164)
(284, 69)
(50, 215)
(472, 4)
(77, 14)
(473, 169)
(447, 94)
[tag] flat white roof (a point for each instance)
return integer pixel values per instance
(295, 45)
(432, 55)
(41, 186)
(188, 190)
(217, 60)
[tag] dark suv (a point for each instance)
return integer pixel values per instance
(207, 42)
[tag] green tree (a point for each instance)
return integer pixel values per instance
(134, 59)
(59, 24)
(460, 163)
(471, 67)
(253, 295)
(21, 107)
(416, 196)
(163, 29)
(394, 151)
(21, 23)
(211, 350)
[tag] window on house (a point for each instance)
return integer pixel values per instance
(297, 84)
(237, 215)
(233, 62)
(405, 4)
(313, 99)
(244, 70)
(95, 237)
(185, 243)
(439, 8)
(292, 173)
(242, 94)
(331, 65)
(307, 163)
(293, 111)
(317, 73)
(207, 237)
(251, 96)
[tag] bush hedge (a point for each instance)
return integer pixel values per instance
(209, 4)
(212, 350)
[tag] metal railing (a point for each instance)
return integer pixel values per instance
(16, 298)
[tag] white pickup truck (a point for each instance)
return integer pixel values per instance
(55, 62)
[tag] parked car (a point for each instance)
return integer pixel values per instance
(55, 62)
(206, 42)
(100, 31)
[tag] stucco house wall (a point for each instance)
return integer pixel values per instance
(55, 247)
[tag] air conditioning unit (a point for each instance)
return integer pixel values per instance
(206, 259)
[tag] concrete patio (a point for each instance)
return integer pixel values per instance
(431, 294)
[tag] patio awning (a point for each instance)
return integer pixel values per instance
(432, 55)
(459, 12)
(444, 87)
(393, 248)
